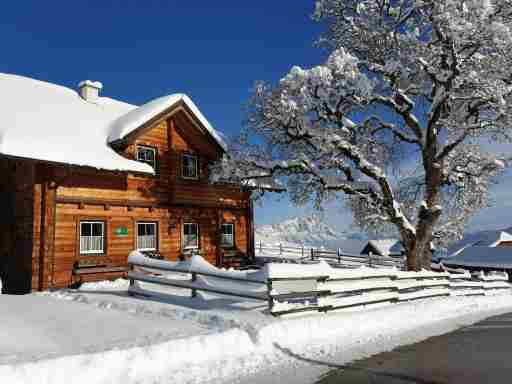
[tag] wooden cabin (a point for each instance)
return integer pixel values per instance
(86, 179)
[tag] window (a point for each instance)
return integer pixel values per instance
(146, 236)
(190, 235)
(92, 237)
(227, 235)
(146, 155)
(189, 166)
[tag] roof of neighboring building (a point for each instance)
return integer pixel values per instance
(489, 238)
(386, 246)
(49, 122)
(482, 257)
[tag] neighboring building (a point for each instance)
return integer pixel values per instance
(87, 179)
(491, 238)
(484, 250)
(383, 247)
(478, 258)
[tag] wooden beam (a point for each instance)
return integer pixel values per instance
(138, 204)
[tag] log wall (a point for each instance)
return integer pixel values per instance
(121, 200)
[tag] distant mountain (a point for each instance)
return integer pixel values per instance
(309, 231)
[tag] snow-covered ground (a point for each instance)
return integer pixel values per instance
(99, 334)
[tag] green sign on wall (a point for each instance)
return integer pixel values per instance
(121, 231)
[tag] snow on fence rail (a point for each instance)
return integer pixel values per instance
(289, 254)
(292, 288)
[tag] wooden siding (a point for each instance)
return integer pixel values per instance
(43, 245)
(117, 248)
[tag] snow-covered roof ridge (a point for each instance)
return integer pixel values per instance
(134, 119)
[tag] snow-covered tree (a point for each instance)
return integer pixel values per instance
(397, 119)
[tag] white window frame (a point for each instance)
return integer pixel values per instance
(139, 148)
(223, 236)
(196, 169)
(152, 223)
(183, 236)
(102, 237)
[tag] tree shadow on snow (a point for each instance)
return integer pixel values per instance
(199, 302)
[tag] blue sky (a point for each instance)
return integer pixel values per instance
(139, 50)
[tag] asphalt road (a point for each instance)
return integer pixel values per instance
(481, 353)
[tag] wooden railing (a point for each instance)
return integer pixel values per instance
(146, 242)
(91, 244)
(288, 254)
(143, 269)
(299, 288)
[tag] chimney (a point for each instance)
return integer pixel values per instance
(89, 90)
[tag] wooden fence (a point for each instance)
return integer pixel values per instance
(296, 255)
(318, 287)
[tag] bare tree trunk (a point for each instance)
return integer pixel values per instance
(429, 212)
(409, 245)
(424, 232)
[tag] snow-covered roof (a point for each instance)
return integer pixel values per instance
(134, 119)
(489, 238)
(386, 247)
(483, 257)
(44, 121)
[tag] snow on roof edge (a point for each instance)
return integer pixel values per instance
(135, 166)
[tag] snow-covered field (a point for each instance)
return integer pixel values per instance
(99, 334)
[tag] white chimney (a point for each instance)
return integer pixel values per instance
(90, 90)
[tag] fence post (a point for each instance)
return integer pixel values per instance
(302, 250)
(339, 255)
(132, 282)
(370, 259)
(269, 294)
(312, 254)
(280, 249)
(194, 279)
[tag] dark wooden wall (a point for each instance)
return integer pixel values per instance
(18, 207)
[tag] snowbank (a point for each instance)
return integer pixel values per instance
(243, 352)
(196, 263)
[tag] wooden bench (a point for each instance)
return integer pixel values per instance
(87, 271)
(233, 259)
(101, 269)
